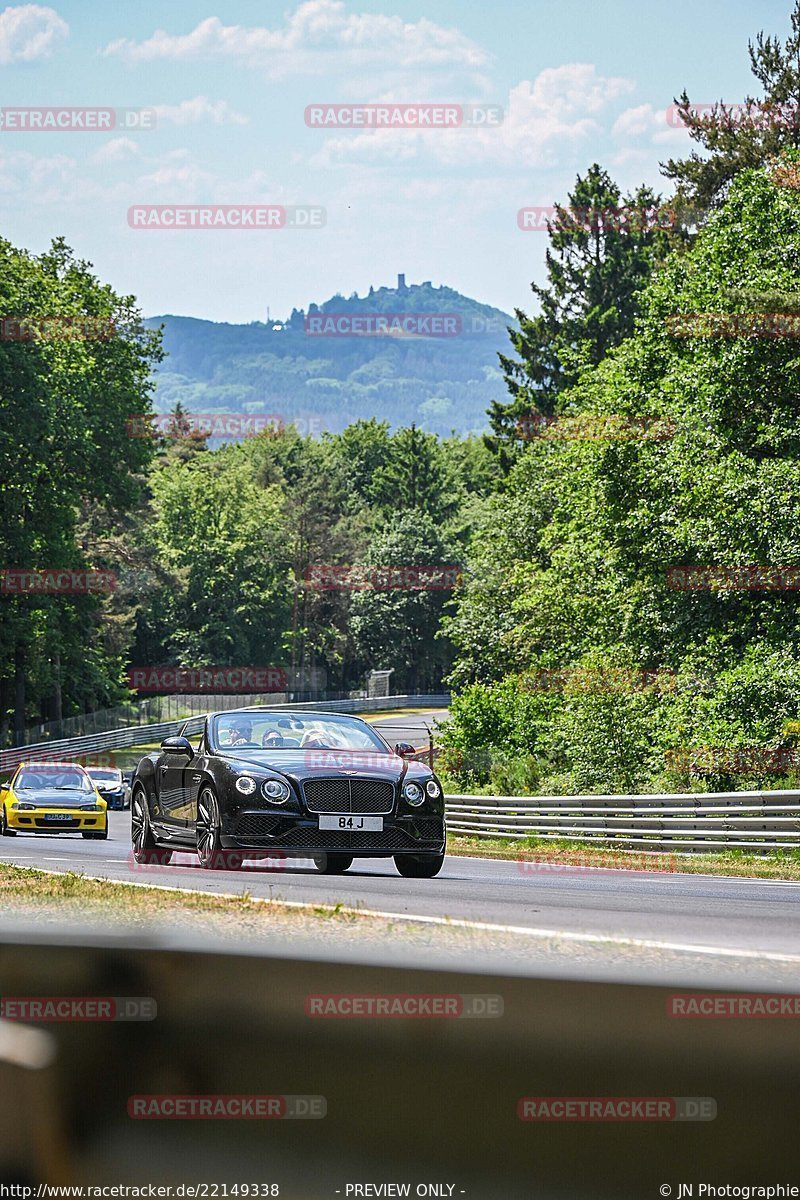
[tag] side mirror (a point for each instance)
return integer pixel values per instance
(405, 749)
(177, 745)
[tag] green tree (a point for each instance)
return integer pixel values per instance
(602, 249)
(398, 627)
(574, 560)
(219, 533)
(746, 136)
(416, 476)
(67, 401)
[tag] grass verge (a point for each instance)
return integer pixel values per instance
(74, 893)
(560, 854)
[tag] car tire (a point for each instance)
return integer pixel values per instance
(101, 835)
(419, 866)
(145, 850)
(4, 830)
(208, 835)
(333, 864)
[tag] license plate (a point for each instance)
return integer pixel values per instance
(354, 822)
(57, 817)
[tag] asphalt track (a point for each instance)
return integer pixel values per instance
(705, 915)
(759, 917)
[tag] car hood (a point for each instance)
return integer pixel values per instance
(51, 798)
(310, 764)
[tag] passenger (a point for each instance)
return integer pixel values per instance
(241, 732)
(271, 740)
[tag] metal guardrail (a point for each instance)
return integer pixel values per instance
(135, 735)
(155, 710)
(676, 821)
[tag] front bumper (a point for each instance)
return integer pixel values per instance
(300, 835)
(37, 820)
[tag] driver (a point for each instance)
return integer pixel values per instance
(314, 739)
(241, 732)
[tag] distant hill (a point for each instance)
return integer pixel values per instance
(311, 370)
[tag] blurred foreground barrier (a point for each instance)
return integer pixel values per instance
(32, 1147)
(721, 820)
(432, 1097)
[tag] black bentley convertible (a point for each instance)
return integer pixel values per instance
(299, 784)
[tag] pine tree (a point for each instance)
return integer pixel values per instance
(602, 249)
(747, 135)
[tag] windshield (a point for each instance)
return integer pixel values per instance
(293, 731)
(102, 775)
(71, 779)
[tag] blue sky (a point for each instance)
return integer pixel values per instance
(578, 82)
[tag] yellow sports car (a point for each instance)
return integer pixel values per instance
(52, 798)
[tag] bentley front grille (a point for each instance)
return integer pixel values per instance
(342, 795)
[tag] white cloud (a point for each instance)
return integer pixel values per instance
(651, 126)
(318, 34)
(545, 120)
(183, 184)
(118, 150)
(62, 184)
(29, 32)
(192, 112)
(634, 121)
(576, 88)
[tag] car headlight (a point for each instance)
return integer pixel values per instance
(22, 804)
(91, 808)
(432, 788)
(413, 794)
(246, 785)
(276, 790)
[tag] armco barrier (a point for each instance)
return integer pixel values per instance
(677, 821)
(135, 735)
